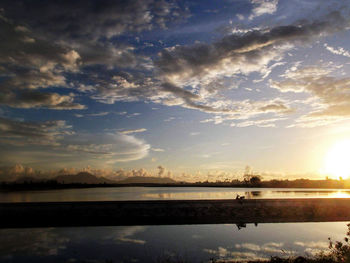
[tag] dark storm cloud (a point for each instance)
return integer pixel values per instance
(26, 78)
(36, 99)
(46, 40)
(20, 47)
(85, 26)
(107, 54)
(28, 65)
(82, 19)
(179, 92)
(25, 46)
(50, 28)
(201, 58)
(110, 56)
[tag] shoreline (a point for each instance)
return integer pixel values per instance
(38, 187)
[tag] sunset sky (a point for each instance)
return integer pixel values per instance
(196, 87)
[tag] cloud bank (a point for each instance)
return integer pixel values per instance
(65, 144)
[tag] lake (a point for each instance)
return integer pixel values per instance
(193, 243)
(166, 193)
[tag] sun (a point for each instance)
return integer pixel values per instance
(337, 160)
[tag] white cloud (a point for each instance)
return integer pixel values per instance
(263, 123)
(312, 244)
(262, 113)
(98, 114)
(221, 252)
(313, 247)
(262, 7)
(191, 74)
(114, 147)
(338, 51)
(133, 131)
(157, 149)
(249, 246)
(331, 94)
(58, 139)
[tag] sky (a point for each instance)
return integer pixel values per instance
(200, 89)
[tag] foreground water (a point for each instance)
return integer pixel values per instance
(167, 193)
(193, 243)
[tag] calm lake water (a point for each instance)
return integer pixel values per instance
(166, 193)
(193, 243)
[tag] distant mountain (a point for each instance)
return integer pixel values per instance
(82, 178)
(147, 180)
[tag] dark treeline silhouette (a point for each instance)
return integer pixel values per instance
(248, 181)
(256, 181)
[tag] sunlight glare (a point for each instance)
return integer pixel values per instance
(339, 194)
(337, 162)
